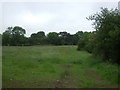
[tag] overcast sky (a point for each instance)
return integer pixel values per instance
(50, 16)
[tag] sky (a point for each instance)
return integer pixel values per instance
(50, 16)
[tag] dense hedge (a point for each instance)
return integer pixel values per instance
(105, 41)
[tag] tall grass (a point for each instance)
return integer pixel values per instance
(41, 66)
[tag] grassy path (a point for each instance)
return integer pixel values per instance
(55, 67)
(65, 81)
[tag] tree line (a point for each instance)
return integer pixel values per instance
(105, 41)
(15, 36)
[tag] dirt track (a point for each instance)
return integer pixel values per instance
(65, 81)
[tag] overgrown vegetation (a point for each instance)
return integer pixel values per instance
(105, 41)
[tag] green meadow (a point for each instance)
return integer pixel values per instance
(55, 67)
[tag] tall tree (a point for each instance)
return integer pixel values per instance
(14, 36)
(77, 36)
(107, 25)
(38, 38)
(41, 34)
(18, 35)
(53, 38)
(65, 38)
(6, 37)
(18, 30)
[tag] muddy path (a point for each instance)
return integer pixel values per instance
(65, 81)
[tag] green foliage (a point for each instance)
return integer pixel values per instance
(53, 38)
(38, 38)
(108, 34)
(65, 38)
(18, 31)
(86, 42)
(105, 41)
(6, 37)
(14, 36)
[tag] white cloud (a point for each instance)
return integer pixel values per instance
(31, 18)
(51, 16)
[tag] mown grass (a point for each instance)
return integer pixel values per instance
(41, 66)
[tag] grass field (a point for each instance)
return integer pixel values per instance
(55, 66)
